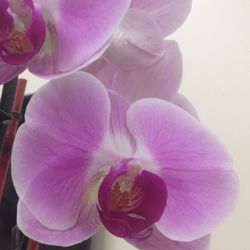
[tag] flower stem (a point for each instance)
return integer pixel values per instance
(10, 133)
(33, 245)
(7, 99)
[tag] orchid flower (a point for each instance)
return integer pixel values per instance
(139, 39)
(53, 38)
(161, 79)
(169, 14)
(148, 172)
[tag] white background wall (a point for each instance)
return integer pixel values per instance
(215, 42)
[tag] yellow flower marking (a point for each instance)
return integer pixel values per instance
(17, 43)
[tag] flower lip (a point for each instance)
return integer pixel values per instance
(17, 42)
(127, 198)
(22, 31)
(4, 5)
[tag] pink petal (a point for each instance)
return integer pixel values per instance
(202, 186)
(82, 230)
(76, 30)
(77, 107)
(161, 79)
(121, 139)
(103, 71)
(181, 101)
(8, 72)
(137, 42)
(169, 14)
(66, 121)
(52, 189)
(157, 241)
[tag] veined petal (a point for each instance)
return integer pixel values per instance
(86, 225)
(202, 186)
(157, 241)
(76, 30)
(66, 122)
(121, 139)
(49, 176)
(169, 14)
(77, 107)
(137, 42)
(161, 79)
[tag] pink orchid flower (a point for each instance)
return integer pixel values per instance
(139, 39)
(149, 172)
(53, 38)
(169, 14)
(161, 79)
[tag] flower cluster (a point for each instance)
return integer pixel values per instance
(113, 144)
(53, 38)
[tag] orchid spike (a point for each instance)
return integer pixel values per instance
(139, 39)
(146, 171)
(53, 38)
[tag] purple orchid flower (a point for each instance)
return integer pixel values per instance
(139, 40)
(53, 38)
(169, 14)
(161, 79)
(149, 172)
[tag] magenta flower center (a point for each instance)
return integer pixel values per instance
(15, 42)
(127, 201)
(22, 31)
(124, 195)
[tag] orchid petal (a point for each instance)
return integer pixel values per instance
(121, 138)
(55, 148)
(202, 186)
(76, 30)
(103, 71)
(137, 42)
(169, 14)
(157, 241)
(8, 72)
(85, 227)
(161, 79)
(58, 167)
(181, 101)
(81, 95)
